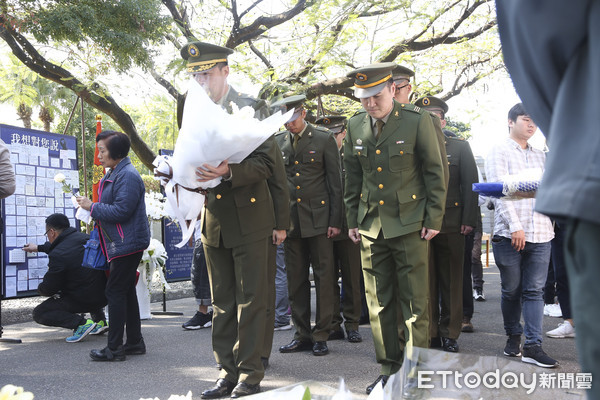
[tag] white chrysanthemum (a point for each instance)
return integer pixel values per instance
(59, 178)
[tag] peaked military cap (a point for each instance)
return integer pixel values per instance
(431, 103)
(370, 80)
(290, 103)
(203, 56)
(335, 123)
(399, 73)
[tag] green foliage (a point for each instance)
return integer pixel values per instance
(156, 123)
(152, 185)
(120, 31)
(461, 129)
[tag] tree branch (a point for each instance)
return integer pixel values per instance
(444, 38)
(181, 19)
(31, 58)
(262, 24)
(246, 11)
(260, 55)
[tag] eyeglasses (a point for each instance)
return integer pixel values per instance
(399, 88)
(46, 234)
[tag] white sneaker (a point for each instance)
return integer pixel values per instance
(552, 310)
(283, 327)
(564, 330)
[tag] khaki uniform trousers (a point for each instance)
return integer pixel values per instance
(396, 276)
(347, 260)
(238, 278)
(446, 253)
(300, 254)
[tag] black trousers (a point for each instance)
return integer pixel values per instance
(65, 312)
(122, 300)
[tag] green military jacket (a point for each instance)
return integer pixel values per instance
(344, 233)
(314, 181)
(255, 201)
(395, 184)
(461, 201)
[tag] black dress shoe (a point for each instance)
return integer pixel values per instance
(265, 362)
(449, 345)
(382, 378)
(338, 334)
(435, 343)
(221, 389)
(354, 337)
(135, 349)
(295, 346)
(107, 354)
(320, 349)
(244, 389)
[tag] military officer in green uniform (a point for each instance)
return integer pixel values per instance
(401, 76)
(447, 248)
(239, 226)
(346, 257)
(312, 165)
(395, 196)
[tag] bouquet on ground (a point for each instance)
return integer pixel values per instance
(208, 135)
(513, 187)
(155, 206)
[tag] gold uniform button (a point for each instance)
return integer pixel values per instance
(414, 196)
(455, 204)
(401, 152)
(379, 169)
(380, 202)
(402, 105)
(252, 200)
(377, 151)
(322, 201)
(218, 197)
(381, 186)
(312, 160)
(359, 153)
(296, 162)
(448, 162)
(297, 173)
(361, 195)
(297, 187)
(298, 199)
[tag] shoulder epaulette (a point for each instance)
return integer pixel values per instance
(412, 107)
(361, 111)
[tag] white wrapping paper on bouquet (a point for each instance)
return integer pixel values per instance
(518, 186)
(208, 135)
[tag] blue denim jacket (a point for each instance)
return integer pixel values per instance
(121, 211)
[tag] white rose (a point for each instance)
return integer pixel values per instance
(59, 178)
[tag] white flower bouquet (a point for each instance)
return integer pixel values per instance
(208, 135)
(155, 206)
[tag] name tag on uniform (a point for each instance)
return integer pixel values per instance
(312, 152)
(400, 142)
(358, 147)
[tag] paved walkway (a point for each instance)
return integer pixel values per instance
(179, 361)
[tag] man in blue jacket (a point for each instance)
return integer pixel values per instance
(72, 289)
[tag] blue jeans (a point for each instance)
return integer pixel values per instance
(523, 275)
(281, 291)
